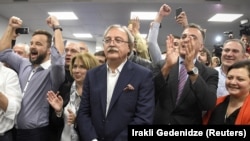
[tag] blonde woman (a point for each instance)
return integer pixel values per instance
(215, 62)
(79, 66)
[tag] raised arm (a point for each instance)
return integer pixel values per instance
(5, 41)
(154, 49)
(164, 11)
(182, 19)
(53, 22)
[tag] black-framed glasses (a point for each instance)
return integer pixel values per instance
(117, 41)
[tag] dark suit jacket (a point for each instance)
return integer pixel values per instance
(132, 107)
(197, 97)
(57, 123)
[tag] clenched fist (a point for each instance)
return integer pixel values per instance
(15, 22)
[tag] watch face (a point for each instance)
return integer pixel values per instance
(195, 70)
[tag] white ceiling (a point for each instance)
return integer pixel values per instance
(95, 15)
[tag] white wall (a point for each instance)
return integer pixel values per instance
(22, 38)
(25, 38)
(3, 24)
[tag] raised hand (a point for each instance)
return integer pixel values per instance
(172, 53)
(134, 25)
(55, 100)
(182, 19)
(165, 10)
(15, 22)
(190, 52)
(52, 21)
(171, 58)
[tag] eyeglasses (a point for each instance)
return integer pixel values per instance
(117, 41)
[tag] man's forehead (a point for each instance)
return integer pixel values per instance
(71, 45)
(232, 44)
(192, 31)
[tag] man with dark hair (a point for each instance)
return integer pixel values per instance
(100, 56)
(233, 50)
(43, 71)
(184, 87)
(204, 56)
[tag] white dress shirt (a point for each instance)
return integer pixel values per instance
(221, 90)
(112, 78)
(10, 87)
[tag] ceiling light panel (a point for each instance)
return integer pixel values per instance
(83, 35)
(224, 17)
(64, 15)
(143, 15)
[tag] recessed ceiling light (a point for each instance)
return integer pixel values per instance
(143, 15)
(218, 38)
(83, 35)
(224, 17)
(64, 15)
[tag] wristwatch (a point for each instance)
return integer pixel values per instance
(193, 71)
(57, 27)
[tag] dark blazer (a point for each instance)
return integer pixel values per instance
(56, 124)
(127, 107)
(197, 97)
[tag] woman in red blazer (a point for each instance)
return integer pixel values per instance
(233, 109)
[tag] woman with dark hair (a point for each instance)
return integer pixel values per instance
(233, 109)
(204, 56)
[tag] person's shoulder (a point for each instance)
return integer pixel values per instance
(217, 68)
(139, 67)
(8, 70)
(207, 69)
(97, 68)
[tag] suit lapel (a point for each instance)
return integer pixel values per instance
(103, 86)
(123, 80)
(173, 78)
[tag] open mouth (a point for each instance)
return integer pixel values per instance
(33, 54)
(67, 59)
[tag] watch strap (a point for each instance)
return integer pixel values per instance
(57, 27)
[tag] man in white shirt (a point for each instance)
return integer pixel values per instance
(233, 51)
(10, 101)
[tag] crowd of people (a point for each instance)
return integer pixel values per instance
(56, 91)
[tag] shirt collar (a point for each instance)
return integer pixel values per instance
(46, 64)
(119, 68)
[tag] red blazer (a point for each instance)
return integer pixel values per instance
(243, 116)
